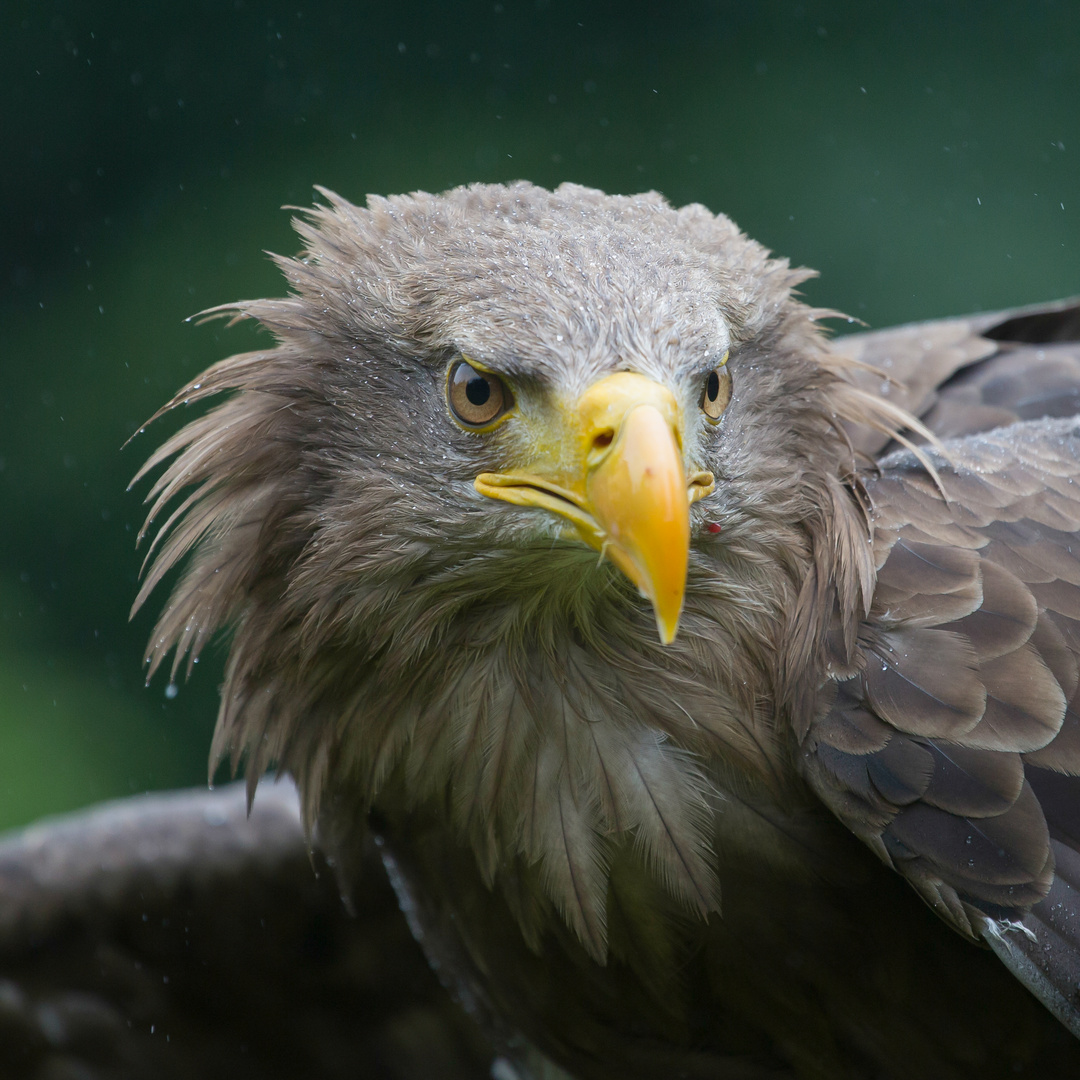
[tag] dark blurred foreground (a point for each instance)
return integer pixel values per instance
(172, 937)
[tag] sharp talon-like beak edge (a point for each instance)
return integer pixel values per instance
(638, 496)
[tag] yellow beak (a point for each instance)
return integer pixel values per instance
(613, 469)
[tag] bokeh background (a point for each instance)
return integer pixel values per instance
(924, 156)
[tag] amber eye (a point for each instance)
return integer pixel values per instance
(477, 398)
(717, 392)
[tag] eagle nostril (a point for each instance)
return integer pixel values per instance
(602, 440)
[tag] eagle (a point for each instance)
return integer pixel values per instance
(707, 685)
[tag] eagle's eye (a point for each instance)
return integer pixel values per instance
(717, 391)
(477, 398)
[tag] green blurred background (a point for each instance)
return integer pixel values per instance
(924, 156)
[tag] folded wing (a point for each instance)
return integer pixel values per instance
(949, 739)
(961, 376)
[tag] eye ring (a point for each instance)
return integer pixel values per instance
(717, 392)
(477, 399)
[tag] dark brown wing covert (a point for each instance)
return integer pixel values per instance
(954, 750)
(961, 376)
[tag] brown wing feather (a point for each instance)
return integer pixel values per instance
(962, 376)
(953, 750)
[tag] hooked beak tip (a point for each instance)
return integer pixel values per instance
(666, 630)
